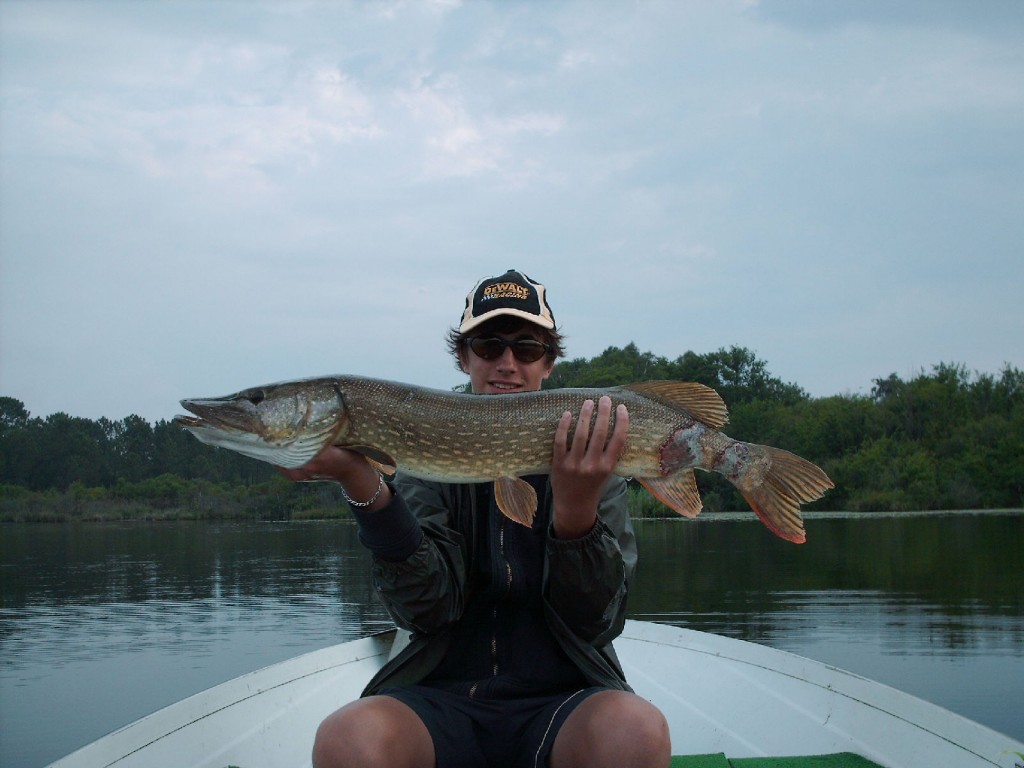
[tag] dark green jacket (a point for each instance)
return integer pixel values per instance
(585, 580)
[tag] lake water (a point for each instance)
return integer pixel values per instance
(102, 624)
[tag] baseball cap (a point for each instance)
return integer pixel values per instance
(512, 293)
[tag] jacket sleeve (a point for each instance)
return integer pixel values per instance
(419, 566)
(587, 579)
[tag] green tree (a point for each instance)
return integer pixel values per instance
(738, 376)
(612, 367)
(65, 449)
(133, 448)
(12, 415)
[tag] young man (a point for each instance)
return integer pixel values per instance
(510, 660)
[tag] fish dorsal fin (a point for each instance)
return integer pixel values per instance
(380, 461)
(678, 490)
(703, 403)
(516, 499)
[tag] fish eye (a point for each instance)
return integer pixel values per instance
(256, 397)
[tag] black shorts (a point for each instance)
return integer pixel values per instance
(506, 733)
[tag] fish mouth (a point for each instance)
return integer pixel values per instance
(227, 413)
(200, 424)
(223, 428)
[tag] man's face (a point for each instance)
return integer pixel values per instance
(505, 373)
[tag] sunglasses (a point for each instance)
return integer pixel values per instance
(525, 350)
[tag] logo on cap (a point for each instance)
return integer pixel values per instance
(506, 291)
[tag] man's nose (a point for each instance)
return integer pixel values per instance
(507, 361)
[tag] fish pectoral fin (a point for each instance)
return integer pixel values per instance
(703, 403)
(385, 469)
(678, 491)
(516, 499)
(380, 461)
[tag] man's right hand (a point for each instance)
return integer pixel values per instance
(349, 468)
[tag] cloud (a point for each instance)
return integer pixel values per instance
(456, 142)
(218, 197)
(229, 138)
(811, 15)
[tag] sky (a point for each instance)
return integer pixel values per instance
(199, 197)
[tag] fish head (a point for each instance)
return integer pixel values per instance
(284, 424)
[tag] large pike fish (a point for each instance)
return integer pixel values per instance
(464, 438)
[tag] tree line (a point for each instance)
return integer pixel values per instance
(943, 439)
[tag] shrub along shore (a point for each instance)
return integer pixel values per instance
(212, 504)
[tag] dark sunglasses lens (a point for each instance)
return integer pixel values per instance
(488, 349)
(525, 350)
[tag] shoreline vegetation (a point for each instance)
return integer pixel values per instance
(203, 503)
(948, 439)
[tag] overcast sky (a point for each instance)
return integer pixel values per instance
(197, 197)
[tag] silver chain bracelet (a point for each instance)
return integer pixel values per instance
(361, 504)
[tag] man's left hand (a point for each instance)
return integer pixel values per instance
(581, 468)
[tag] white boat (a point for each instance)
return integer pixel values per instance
(720, 695)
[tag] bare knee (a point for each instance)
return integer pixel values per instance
(614, 728)
(646, 727)
(376, 732)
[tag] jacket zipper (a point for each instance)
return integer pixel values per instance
(508, 590)
(494, 611)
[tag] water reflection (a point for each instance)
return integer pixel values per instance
(732, 578)
(101, 624)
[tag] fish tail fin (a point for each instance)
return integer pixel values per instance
(788, 481)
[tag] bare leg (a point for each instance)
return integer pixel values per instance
(375, 732)
(613, 729)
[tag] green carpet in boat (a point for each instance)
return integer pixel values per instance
(838, 760)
